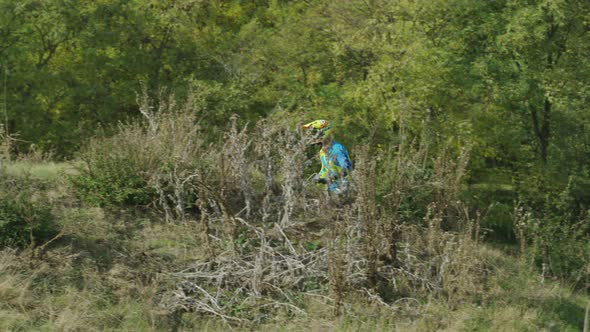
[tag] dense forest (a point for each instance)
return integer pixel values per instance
(153, 164)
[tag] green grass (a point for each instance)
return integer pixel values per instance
(42, 171)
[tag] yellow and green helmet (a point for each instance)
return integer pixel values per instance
(318, 128)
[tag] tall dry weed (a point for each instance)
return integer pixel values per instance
(364, 180)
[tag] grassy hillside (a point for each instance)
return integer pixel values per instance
(127, 269)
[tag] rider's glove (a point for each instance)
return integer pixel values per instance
(318, 179)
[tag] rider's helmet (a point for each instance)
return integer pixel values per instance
(318, 129)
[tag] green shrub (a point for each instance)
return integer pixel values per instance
(496, 205)
(25, 216)
(557, 237)
(113, 176)
(144, 162)
(562, 249)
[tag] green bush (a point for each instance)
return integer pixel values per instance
(558, 235)
(496, 205)
(145, 162)
(563, 248)
(113, 175)
(24, 213)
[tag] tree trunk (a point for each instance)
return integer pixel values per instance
(542, 130)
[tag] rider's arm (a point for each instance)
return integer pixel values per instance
(325, 175)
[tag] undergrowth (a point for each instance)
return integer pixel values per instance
(162, 231)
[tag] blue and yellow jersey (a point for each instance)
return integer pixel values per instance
(335, 162)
